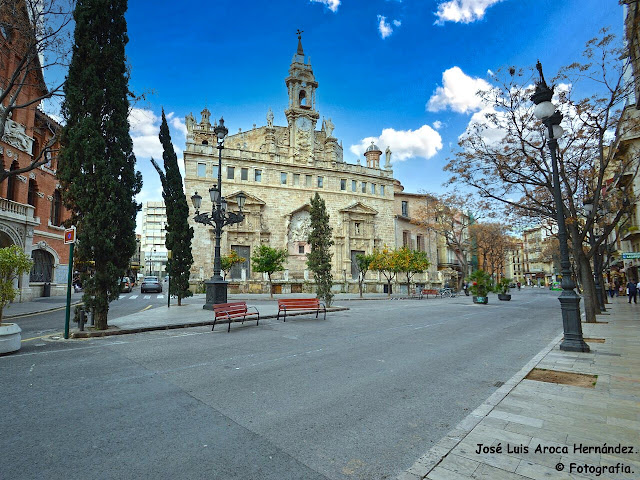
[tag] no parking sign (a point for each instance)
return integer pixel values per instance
(69, 235)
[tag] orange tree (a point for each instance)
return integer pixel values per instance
(410, 262)
(385, 262)
(229, 260)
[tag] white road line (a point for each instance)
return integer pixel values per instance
(160, 296)
(132, 297)
(147, 297)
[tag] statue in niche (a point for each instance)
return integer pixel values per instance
(270, 119)
(387, 153)
(300, 227)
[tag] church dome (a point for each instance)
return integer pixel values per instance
(372, 148)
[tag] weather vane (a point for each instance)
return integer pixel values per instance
(299, 33)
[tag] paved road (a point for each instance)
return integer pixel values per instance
(361, 395)
(36, 325)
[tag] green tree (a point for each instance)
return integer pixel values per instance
(319, 259)
(384, 261)
(229, 260)
(97, 165)
(410, 262)
(13, 263)
(363, 261)
(179, 233)
(269, 260)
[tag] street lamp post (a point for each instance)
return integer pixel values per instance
(216, 286)
(569, 299)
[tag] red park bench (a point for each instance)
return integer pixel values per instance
(288, 304)
(430, 291)
(233, 312)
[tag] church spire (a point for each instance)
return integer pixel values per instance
(299, 33)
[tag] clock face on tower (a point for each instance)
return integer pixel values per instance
(303, 123)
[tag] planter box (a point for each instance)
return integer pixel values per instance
(482, 300)
(10, 337)
(505, 297)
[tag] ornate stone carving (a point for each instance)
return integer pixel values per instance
(50, 198)
(32, 176)
(22, 178)
(300, 227)
(270, 119)
(40, 194)
(14, 235)
(15, 135)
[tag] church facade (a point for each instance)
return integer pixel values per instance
(279, 169)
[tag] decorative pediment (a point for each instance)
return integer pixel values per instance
(360, 208)
(305, 207)
(250, 199)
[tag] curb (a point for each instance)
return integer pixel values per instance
(18, 315)
(107, 333)
(425, 464)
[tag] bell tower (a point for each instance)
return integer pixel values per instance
(301, 85)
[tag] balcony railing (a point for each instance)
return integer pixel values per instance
(15, 210)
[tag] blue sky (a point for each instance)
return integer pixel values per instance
(403, 72)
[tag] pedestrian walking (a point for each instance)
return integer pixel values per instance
(612, 290)
(632, 290)
(617, 286)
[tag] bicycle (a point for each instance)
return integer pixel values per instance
(447, 293)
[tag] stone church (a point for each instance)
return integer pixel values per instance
(279, 168)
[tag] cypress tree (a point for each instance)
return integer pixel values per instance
(179, 233)
(97, 164)
(319, 260)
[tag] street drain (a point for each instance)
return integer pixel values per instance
(498, 384)
(564, 378)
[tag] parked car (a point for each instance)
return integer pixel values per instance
(126, 285)
(151, 284)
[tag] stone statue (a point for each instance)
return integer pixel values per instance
(300, 227)
(270, 119)
(387, 153)
(15, 134)
(190, 121)
(329, 126)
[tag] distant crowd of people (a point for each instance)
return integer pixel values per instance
(615, 289)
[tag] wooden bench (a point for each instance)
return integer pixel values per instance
(233, 312)
(430, 291)
(288, 304)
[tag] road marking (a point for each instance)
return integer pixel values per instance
(160, 296)
(146, 308)
(43, 312)
(147, 297)
(41, 336)
(132, 297)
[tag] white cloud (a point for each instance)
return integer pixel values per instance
(383, 27)
(331, 4)
(437, 124)
(424, 142)
(397, 23)
(462, 11)
(458, 92)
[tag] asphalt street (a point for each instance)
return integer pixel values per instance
(37, 325)
(361, 395)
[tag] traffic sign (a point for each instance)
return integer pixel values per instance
(69, 235)
(630, 255)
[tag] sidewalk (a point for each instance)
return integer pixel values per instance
(39, 305)
(191, 314)
(586, 430)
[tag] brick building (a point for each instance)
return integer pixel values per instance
(31, 210)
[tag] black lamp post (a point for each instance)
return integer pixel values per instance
(569, 299)
(219, 217)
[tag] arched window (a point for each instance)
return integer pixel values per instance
(302, 98)
(56, 208)
(11, 183)
(33, 190)
(42, 269)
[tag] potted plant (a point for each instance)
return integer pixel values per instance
(502, 288)
(480, 285)
(13, 263)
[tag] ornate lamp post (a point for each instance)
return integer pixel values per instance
(569, 299)
(218, 218)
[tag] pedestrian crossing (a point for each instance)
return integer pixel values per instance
(145, 297)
